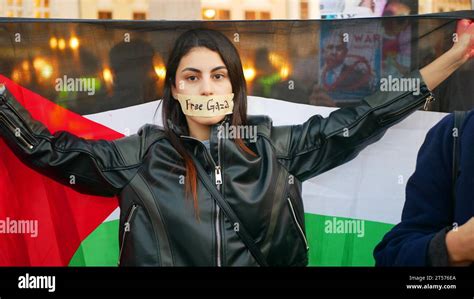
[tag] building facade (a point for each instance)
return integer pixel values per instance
(162, 9)
(40, 8)
(188, 9)
(433, 6)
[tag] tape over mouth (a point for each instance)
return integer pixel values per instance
(206, 106)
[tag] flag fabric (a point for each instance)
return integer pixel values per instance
(347, 209)
(64, 217)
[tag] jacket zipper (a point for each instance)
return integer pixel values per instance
(298, 224)
(126, 230)
(218, 182)
(218, 176)
(427, 99)
(15, 132)
(27, 132)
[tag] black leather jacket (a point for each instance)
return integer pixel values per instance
(145, 171)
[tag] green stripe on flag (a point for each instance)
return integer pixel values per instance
(342, 249)
(100, 248)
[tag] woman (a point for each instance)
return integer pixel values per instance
(154, 171)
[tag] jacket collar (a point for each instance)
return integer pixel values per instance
(180, 132)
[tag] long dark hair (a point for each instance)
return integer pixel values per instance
(217, 42)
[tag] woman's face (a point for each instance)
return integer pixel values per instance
(202, 72)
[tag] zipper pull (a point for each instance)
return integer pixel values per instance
(218, 176)
(429, 99)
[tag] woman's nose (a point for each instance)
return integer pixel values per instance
(206, 87)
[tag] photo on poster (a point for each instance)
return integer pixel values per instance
(350, 60)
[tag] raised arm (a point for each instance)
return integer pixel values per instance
(320, 144)
(462, 49)
(98, 167)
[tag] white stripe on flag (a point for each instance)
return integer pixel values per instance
(370, 187)
(114, 215)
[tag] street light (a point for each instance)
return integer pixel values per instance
(160, 72)
(53, 43)
(107, 75)
(74, 43)
(209, 13)
(62, 44)
(249, 73)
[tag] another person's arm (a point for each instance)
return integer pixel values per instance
(420, 238)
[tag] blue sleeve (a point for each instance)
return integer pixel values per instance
(427, 208)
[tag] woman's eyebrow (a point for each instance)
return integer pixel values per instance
(199, 71)
(218, 68)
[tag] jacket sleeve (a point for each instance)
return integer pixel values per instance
(96, 167)
(320, 144)
(428, 210)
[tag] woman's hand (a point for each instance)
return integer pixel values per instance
(463, 49)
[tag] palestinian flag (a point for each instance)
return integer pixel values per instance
(63, 217)
(348, 209)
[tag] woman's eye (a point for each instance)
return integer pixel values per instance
(192, 78)
(219, 76)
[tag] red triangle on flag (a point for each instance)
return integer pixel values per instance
(64, 217)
